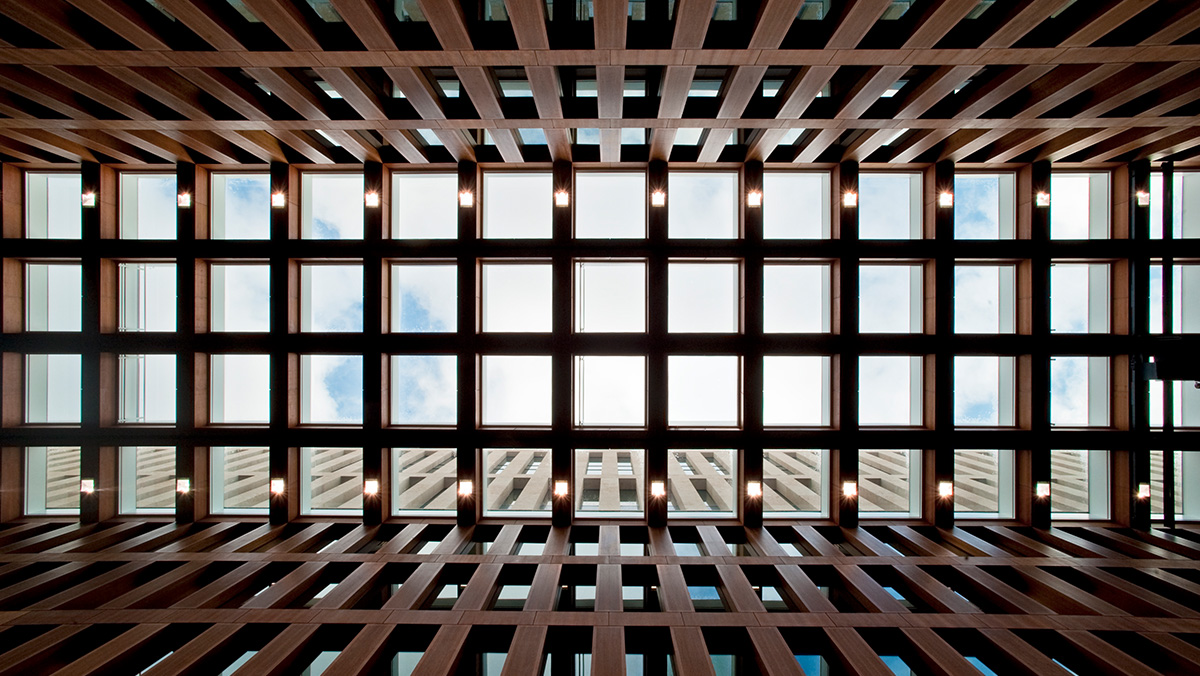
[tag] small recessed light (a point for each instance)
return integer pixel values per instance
(89, 199)
(185, 200)
(658, 198)
(371, 199)
(850, 199)
(657, 489)
(1043, 199)
(466, 488)
(754, 489)
(183, 485)
(277, 486)
(371, 487)
(1143, 492)
(946, 199)
(560, 488)
(278, 200)
(466, 199)
(1143, 198)
(1042, 489)
(945, 489)
(754, 198)
(562, 198)
(87, 486)
(849, 489)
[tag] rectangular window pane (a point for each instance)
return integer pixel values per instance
(703, 391)
(240, 298)
(886, 480)
(1187, 404)
(1185, 504)
(53, 206)
(240, 388)
(889, 206)
(796, 391)
(609, 482)
(331, 480)
(517, 298)
(610, 205)
(985, 299)
(331, 298)
(610, 297)
(146, 387)
(52, 388)
(53, 297)
(1185, 310)
(517, 205)
(700, 482)
(424, 206)
(1079, 394)
(241, 206)
(1079, 298)
(890, 298)
(984, 483)
(147, 296)
(796, 205)
(610, 391)
(1079, 206)
(516, 390)
(890, 390)
(424, 390)
(1186, 208)
(1079, 484)
(52, 480)
(702, 205)
(424, 298)
(794, 482)
(426, 480)
(240, 479)
(331, 206)
(703, 297)
(331, 389)
(984, 206)
(796, 298)
(147, 479)
(149, 206)
(516, 481)
(984, 391)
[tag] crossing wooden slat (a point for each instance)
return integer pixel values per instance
(107, 658)
(278, 656)
(525, 654)
(854, 653)
(940, 597)
(360, 655)
(183, 660)
(1107, 658)
(444, 652)
(23, 658)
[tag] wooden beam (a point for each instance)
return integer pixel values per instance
(355, 90)
(917, 144)
(528, 19)
(226, 90)
(457, 143)
(258, 143)
(449, 24)
(420, 92)
(49, 20)
(287, 22)
(50, 143)
(1072, 141)
(481, 89)
(547, 94)
(20, 151)
(938, 22)
(205, 142)
(154, 143)
(1015, 145)
(1133, 82)
(661, 142)
(801, 92)
(1175, 27)
(866, 143)
(205, 22)
(995, 91)
(1105, 22)
(676, 82)
(609, 21)
(353, 143)
(56, 97)
(407, 146)
(610, 145)
(1029, 17)
(817, 145)
(103, 143)
(775, 19)
(170, 89)
(868, 90)
(291, 91)
(121, 19)
(559, 141)
(367, 21)
(764, 144)
(714, 143)
(691, 23)
(966, 142)
(506, 143)
(930, 91)
(1062, 85)
(740, 88)
(99, 86)
(855, 23)
(610, 91)
(306, 146)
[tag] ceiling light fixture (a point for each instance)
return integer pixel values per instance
(277, 486)
(1042, 489)
(945, 489)
(185, 200)
(89, 199)
(1143, 198)
(658, 198)
(849, 489)
(754, 198)
(946, 199)
(754, 489)
(371, 199)
(657, 489)
(562, 198)
(371, 487)
(1043, 199)
(278, 200)
(850, 199)
(87, 486)
(183, 486)
(466, 488)
(560, 489)
(466, 199)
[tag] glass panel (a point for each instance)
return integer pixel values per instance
(52, 480)
(516, 390)
(53, 297)
(1079, 484)
(702, 205)
(984, 483)
(796, 298)
(240, 388)
(424, 206)
(146, 387)
(240, 297)
(331, 206)
(516, 481)
(984, 390)
(424, 298)
(241, 206)
(149, 206)
(793, 482)
(701, 481)
(517, 298)
(52, 388)
(984, 206)
(610, 391)
(331, 480)
(331, 298)
(331, 389)
(885, 481)
(703, 391)
(1079, 206)
(889, 206)
(890, 390)
(703, 297)
(1079, 394)
(1079, 298)
(241, 479)
(517, 206)
(147, 296)
(609, 482)
(796, 391)
(985, 299)
(425, 479)
(147, 479)
(610, 297)
(424, 390)
(610, 205)
(796, 205)
(53, 206)
(890, 298)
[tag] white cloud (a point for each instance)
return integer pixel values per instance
(611, 296)
(610, 390)
(245, 394)
(796, 205)
(702, 391)
(424, 298)
(889, 298)
(702, 205)
(796, 298)
(1069, 387)
(886, 392)
(795, 390)
(424, 390)
(245, 302)
(610, 204)
(702, 297)
(425, 206)
(517, 297)
(516, 390)
(977, 299)
(1069, 298)
(886, 208)
(331, 389)
(242, 206)
(517, 205)
(332, 206)
(976, 206)
(977, 390)
(1069, 206)
(335, 298)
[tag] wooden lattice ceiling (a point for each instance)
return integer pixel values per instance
(141, 82)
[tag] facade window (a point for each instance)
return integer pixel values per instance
(331, 298)
(890, 390)
(603, 489)
(708, 490)
(424, 480)
(516, 390)
(146, 388)
(239, 298)
(703, 391)
(702, 205)
(147, 479)
(797, 298)
(796, 391)
(984, 391)
(985, 299)
(610, 205)
(241, 206)
(796, 205)
(610, 296)
(424, 206)
(890, 298)
(985, 206)
(516, 483)
(889, 483)
(147, 296)
(794, 483)
(984, 484)
(52, 388)
(52, 205)
(1079, 484)
(517, 205)
(424, 390)
(889, 206)
(1184, 208)
(1079, 205)
(1079, 391)
(1185, 287)
(323, 206)
(148, 206)
(331, 480)
(53, 297)
(703, 297)
(610, 391)
(52, 480)
(424, 298)
(240, 479)
(331, 389)
(517, 298)
(240, 389)
(1079, 298)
